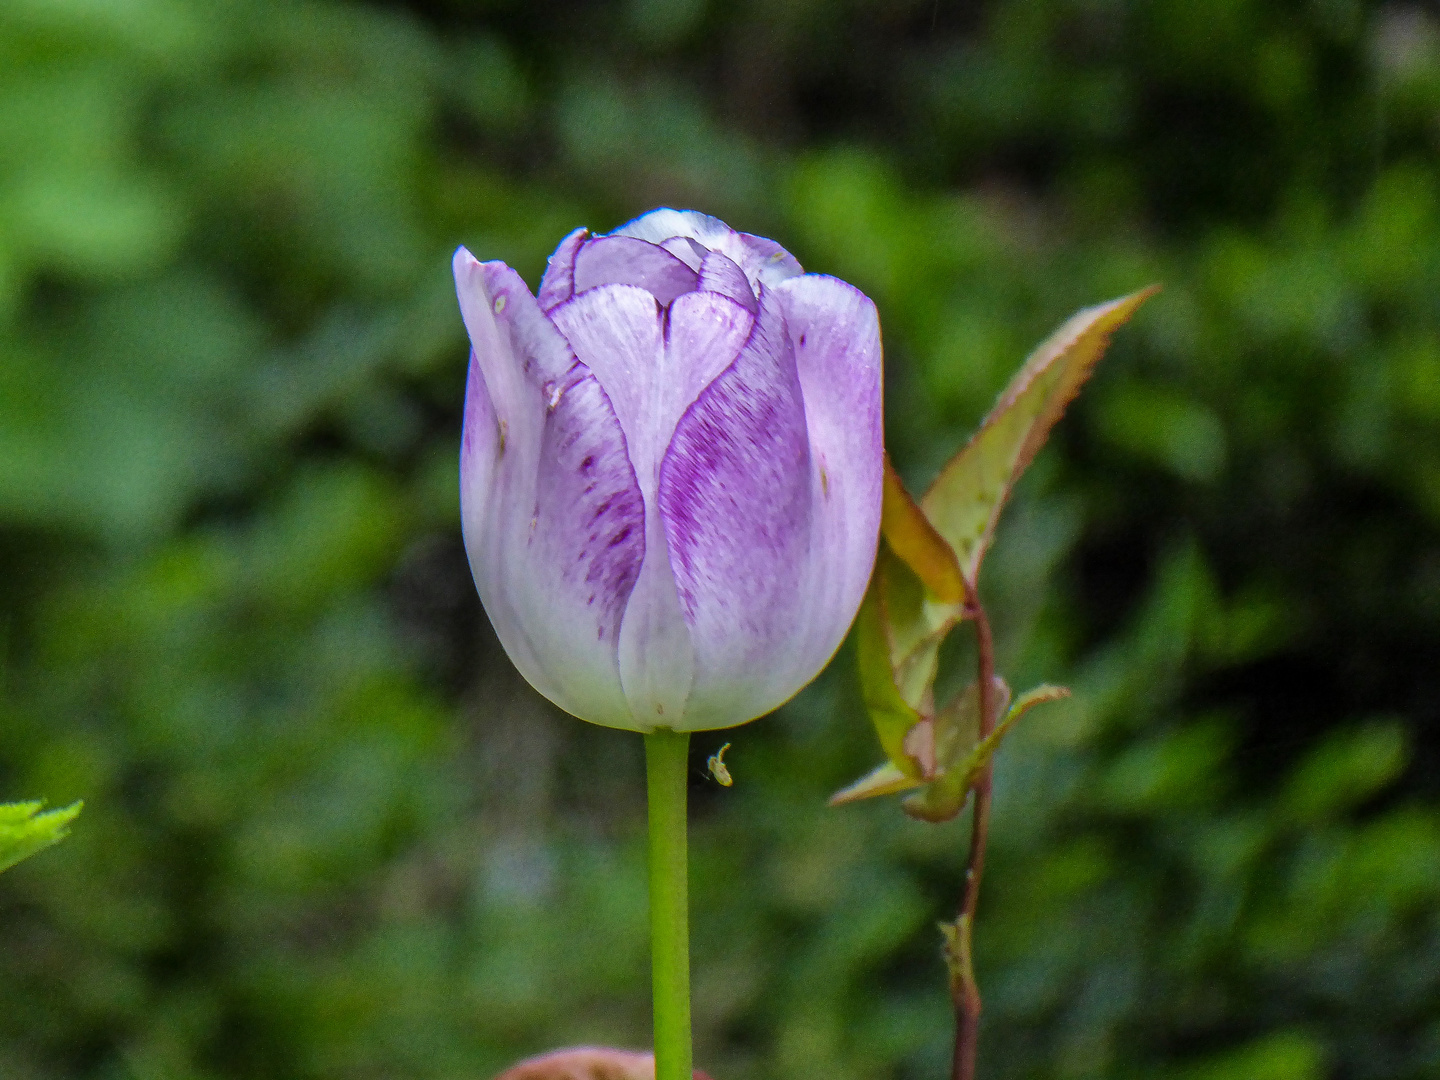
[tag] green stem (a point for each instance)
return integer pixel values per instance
(667, 774)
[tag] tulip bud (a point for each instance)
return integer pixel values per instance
(671, 469)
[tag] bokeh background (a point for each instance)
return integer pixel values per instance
(330, 835)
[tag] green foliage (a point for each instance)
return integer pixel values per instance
(927, 574)
(24, 830)
(965, 501)
(329, 835)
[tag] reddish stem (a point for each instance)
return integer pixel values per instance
(963, 989)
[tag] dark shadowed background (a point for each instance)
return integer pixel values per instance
(331, 835)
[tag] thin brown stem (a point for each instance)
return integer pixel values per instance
(963, 989)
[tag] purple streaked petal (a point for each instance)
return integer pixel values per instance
(623, 260)
(763, 261)
(654, 367)
(835, 332)
(735, 492)
(719, 275)
(558, 284)
(552, 514)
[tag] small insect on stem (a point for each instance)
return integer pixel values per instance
(716, 764)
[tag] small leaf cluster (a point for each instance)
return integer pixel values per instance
(927, 581)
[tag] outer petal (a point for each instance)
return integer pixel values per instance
(763, 261)
(552, 513)
(835, 332)
(653, 369)
(737, 499)
(773, 519)
(558, 284)
(623, 260)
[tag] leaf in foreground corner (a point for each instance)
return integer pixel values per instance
(965, 501)
(24, 830)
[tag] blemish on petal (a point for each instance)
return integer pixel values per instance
(499, 303)
(504, 434)
(824, 482)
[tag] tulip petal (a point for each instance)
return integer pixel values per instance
(652, 364)
(835, 332)
(653, 376)
(718, 274)
(686, 250)
(558, 284)
(736, 495)
(771, 493)
(552, 512)
(623, 260)
(764, 261)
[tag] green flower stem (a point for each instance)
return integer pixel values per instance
(667, 774)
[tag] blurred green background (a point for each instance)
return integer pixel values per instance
(329, 833)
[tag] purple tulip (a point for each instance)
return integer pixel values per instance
(670, 472)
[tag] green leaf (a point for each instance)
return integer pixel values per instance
(24, 830)
(911, 536)
(965, 501)
(1285, 1055)
(886, 779)
(1344, 770)
(916, 622)
(943, 799)
(898, 634)
(891, 714)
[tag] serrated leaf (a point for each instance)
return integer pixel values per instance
(24, 830)
(964, 502)
(945, 798)
(914, 540)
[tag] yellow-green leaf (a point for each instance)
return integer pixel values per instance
(965, 501)
(891, 714)
(911, 536)
(886, 779)
(24, 830)
(916, 622)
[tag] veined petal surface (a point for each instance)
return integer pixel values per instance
(719, 274)
(835, 332)
(552, 512)
(653, 364)
(735, 492)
